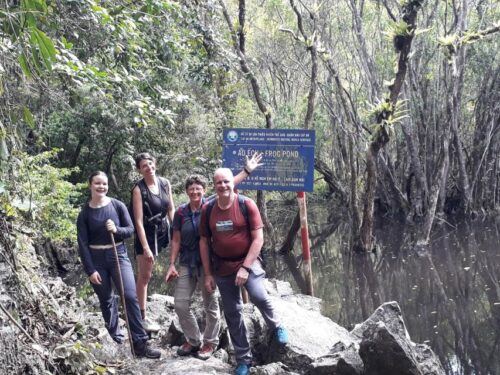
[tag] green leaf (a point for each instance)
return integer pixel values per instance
(45, 46)
(24, 65)
(28, 117)
(66, 44)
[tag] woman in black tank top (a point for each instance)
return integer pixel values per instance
(159, 205)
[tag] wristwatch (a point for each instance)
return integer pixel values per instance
(248, 269)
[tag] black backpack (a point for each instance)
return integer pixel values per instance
(161, 221)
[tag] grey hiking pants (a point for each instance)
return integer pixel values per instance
(232, 305)
(184, 290)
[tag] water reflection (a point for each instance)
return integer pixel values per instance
(450, 296)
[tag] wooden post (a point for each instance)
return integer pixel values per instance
(304, 234)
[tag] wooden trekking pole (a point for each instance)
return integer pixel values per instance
(122, 294)
(244, 295)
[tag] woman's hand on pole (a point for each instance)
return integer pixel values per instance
(95, 278)
(110, 226)
(171, 273)
(254, 162)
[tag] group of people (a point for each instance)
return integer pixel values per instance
(217, 240)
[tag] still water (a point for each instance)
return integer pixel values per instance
(450, 296)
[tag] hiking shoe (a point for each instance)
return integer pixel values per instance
(150, 326)
(118, 339)
(146, 351)
(206, 351)
(187, 349)
(242, 369)
(281, 335)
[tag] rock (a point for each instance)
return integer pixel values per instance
(222, 355)
(160, 309)
(278, 288)
(386, 353)
(390, 314)
(428, 361)
(385, 346)
(276, 368)
(345, 362)
(311, 335)
(174, 336)
(170, 364)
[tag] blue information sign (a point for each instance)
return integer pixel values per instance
(288, 157)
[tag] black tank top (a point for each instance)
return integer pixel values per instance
(157, 203)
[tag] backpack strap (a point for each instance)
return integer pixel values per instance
(164, 187)
(208, 212)
(146, 210)
(182, 212)
(115, 206)
(162, 190)
(244, 209)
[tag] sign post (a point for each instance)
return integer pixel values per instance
(304, 235)
(288, 165)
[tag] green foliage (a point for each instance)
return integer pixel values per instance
(103, 80)
(85, 291)
(22, 23)
(76, 358)
(385, 115)
(449, 43)
(37, 192)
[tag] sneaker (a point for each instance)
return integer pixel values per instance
(187, 349)
(150, 326)
(146, 351)
(118, 339)
(242, 369)
(281, 335)
(206, 351)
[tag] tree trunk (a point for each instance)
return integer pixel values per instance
(417, 197)
(364, 242)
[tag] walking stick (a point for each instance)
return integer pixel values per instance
(122, 294)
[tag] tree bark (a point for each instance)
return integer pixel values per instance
(330, 179)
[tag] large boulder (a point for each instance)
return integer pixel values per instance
(385, 346)
(311, 335)
(344, 362)
(317, 345)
